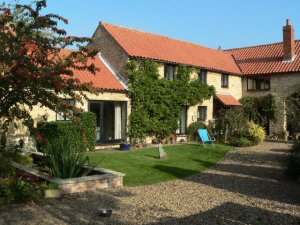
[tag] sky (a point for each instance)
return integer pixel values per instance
(212, 23)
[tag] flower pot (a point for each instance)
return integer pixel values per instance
(125, 147)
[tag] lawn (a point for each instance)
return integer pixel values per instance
(144, 166)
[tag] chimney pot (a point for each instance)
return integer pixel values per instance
(288, 22)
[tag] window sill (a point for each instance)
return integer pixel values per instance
(258, 90)
(224, 86)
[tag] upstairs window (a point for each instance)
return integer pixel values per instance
(62, 116)
(203, 76)
(202, 113)
(170, 72)
(254, 84)
(224, 80)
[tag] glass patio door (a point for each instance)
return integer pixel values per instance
(110, 119)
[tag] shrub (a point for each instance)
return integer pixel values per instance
(80, 130)
(6, 168)
(256, 132)
(241, 142)
(18, 191)
(87, 123)
(66, 159)
(193, 130)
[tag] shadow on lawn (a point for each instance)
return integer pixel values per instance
(231, 213)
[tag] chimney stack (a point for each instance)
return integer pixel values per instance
(288, 42)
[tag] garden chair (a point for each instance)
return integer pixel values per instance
(203, 133)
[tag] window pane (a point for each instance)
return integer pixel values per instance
(169, 72)
(202, 110)
(203, 76)
(267, 85)
(182, 122)
(224, 80)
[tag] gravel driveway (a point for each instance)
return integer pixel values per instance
(247, 187)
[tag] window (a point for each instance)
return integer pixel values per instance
(183, 121)
(224, 80)
(170, 72)
(254, 84)
(65, 116)
(203, 76)
(202, 113)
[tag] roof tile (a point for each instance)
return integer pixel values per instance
(157, 47)
(265, 59)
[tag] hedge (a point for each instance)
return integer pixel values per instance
(81, 129)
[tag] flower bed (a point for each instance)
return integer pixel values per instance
(99, 179)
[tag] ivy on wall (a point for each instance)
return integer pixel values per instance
(156, 103)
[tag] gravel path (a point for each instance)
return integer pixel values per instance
(247, 187)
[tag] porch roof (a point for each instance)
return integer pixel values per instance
(227, 99)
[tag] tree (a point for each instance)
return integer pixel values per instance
(293, 112)
(35, 68)
(156, 103)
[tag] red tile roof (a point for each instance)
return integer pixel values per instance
(103, 79)
(265, 59)
(228, 100)
(157, 47)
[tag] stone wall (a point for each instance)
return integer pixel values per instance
(39, 113)
(214, 79)
(281, 85)
(110, 49)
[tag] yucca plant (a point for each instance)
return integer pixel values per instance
(66, 160)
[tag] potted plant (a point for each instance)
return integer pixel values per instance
(125, 146)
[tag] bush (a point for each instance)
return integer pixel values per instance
(80, 130)
(66, 159)
(256, 132)
(241, 142)
(6, 167)
(18, 191)
(193, 130)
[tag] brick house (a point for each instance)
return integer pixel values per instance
(251, 71)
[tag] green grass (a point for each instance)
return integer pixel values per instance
(144, 167)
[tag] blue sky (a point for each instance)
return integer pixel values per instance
(212, 23)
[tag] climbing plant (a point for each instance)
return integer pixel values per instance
(293, 112)
(155, 102)
(260, 109)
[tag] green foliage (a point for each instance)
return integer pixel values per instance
(34, 70)
(66, 159)
(256, 133)
(80, 130)
(156, 103)
(193, 130)
(18, 191)
(87, 123)
(293, 169)
(6, 168)
(241, 142)
(293, 112)
(260, 109)
(232, 126)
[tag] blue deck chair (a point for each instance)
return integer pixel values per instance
(203, 133)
